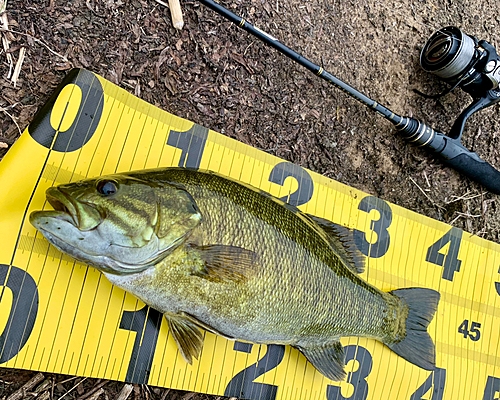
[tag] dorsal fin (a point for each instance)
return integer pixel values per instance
(342, 241)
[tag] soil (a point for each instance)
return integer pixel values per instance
(220, 77)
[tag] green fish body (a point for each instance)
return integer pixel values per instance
(213, 253)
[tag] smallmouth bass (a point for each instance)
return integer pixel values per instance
(212, 253)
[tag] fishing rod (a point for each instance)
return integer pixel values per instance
(455, 57)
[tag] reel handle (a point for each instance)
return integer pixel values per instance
(452, 152)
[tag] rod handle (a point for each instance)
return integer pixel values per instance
(452, 153)
(479, 171)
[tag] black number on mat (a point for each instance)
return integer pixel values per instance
(437, 378)
(22, 313)
(146, 320)
(305, 190)
(379, 226)
(450, 262)
(492, 389)
(356, 378)
(192, 144)
(85, 122)
(497, 285)
(243, 385)
(473, 333)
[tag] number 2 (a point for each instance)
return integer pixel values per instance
(243, 385)
(305, 190)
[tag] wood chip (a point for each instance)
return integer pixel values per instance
(73, 388)
(94, 390)
(17, 69)
(44, 396)
(19, 394)
(4, 25)
(176, 14)
(164, 395)
(125, 392)
(3, 145)
(96, 395)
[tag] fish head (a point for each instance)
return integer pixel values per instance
(120, 224)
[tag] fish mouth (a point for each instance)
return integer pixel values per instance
(82, 215)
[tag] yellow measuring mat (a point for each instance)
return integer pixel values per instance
(59, 315)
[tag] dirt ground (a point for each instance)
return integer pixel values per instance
(220, 77)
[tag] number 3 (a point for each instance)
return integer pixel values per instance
(380, 247)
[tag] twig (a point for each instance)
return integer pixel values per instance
(74, 387)
(162, 3)
(43, 396)
(164, 394)
(19, 394)
(483, 207)
(94, 390)
(17, 69)
(176, 14)
(463, 197)
(464, 215)
(427, 179)
(12, 118)
(125, 392)
(36, 40)
(67, 380)
(4, 25)
(425, 194)
(96, 394)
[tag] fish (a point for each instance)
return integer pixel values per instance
(213, 253)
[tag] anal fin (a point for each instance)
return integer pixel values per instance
(329, 359)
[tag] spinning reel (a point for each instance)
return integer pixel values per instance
(463, 61)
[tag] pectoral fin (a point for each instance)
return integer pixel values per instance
(187, 336)
(327, 359)
(225, 263)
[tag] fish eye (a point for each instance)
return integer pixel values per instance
(107, 188)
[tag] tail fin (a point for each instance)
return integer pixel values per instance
(417, 347)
